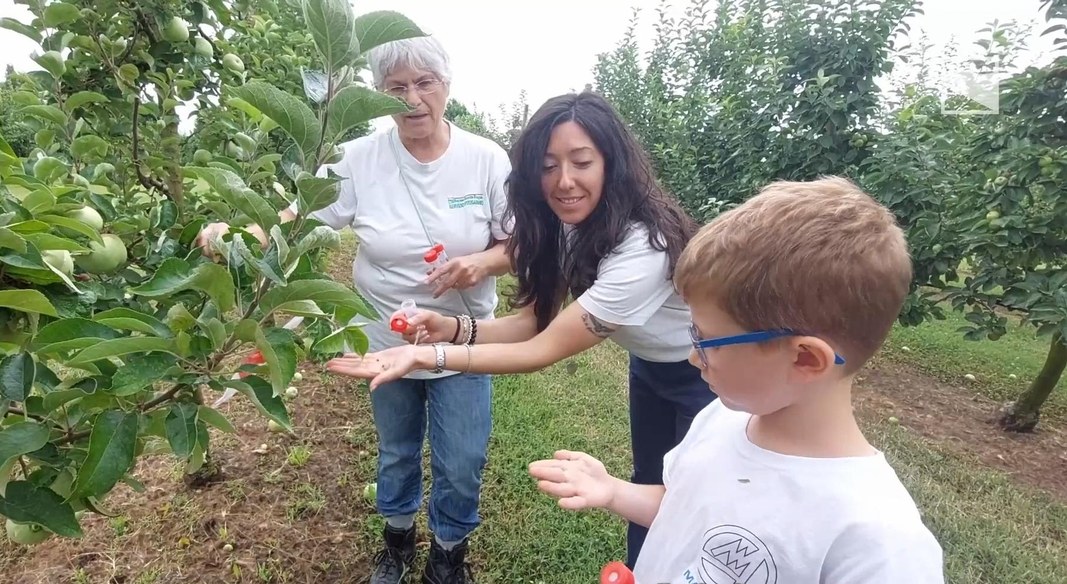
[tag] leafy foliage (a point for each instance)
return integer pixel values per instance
(760, 90)
(113, 324)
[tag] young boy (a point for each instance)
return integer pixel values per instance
(790, 294)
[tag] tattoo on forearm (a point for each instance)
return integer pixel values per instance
(597, 326)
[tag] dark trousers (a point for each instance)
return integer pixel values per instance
(664, 399)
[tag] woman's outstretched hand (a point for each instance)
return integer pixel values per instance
(381, 367)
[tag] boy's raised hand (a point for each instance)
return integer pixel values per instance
(578, 480)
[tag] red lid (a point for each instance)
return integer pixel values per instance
(616, 573)
(431, 256)
(399, 324)
(256, 358)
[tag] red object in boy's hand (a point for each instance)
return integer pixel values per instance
(616, 573)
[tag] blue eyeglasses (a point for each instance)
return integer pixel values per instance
(753, 337)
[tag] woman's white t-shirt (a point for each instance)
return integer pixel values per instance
(634, 291)
(461, 199)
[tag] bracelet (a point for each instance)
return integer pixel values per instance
(468, 359)
(474, 332)
(459, 327)
(440, 351)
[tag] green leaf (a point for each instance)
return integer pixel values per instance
(70, 334)
(121, 347)
(262, 395)
(181, 428)
(30, 301)
(355, 105)
(215, 331)
(111, 450)
(22, 438)
(140, 372)
(17, 373)
(216, 419)
(320, 237)
(383, 26)
(344, 339)
(25, 502)
(260, 264)
(49, 241)
(88, 145)
(83, 98)
(234, 191)
(292, 115)
(175, 275)
(332, 26)
(73, 225)
(131, 320)
(305, 308)
(315, 192)
(27, 31)
(59, 13)
(11, 240)
(50, 113)
(322, 292)
(278, 347)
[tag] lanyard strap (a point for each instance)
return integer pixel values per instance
(394, 138)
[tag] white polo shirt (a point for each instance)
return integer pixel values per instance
(461, 199)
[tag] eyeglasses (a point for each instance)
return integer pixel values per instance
(753, 337)
(424, 87)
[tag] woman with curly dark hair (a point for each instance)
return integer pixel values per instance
(591, 223)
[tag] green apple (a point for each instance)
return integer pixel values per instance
(89, 216)
(26, 533)
(106, 258)
(176, 30)
(59, 259)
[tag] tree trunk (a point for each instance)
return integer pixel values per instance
(1023, 414)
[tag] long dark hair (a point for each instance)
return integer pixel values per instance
(630, 194)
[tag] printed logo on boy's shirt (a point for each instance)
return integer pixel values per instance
(733, 555)
(471, 200)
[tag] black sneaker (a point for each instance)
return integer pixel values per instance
(392, 565)
(447, 567)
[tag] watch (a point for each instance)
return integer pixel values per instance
(439, 349)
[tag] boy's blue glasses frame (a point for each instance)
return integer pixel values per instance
(753, 337)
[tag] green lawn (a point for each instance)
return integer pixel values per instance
(938, 350)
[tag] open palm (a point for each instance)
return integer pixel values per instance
(578, 480)
(381, 367)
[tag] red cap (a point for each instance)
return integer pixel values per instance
(256, 358)
(399, 324)
(431, 256)
(616, 573)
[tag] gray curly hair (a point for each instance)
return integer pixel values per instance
(424, 52)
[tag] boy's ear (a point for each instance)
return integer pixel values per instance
(812, 357)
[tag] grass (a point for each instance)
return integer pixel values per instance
(938, 350)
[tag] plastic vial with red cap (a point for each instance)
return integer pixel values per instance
(435, 257)
(616, 573)
(400, 323)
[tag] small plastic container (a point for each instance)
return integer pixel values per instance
(400, 323)
(435, 257)
(616, 573)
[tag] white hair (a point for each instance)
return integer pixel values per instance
(423, 52)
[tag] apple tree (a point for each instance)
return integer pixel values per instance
(114, 327)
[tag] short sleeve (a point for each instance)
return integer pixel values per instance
(632, 283)
(499, 170)
(889, 552)
(341, 212)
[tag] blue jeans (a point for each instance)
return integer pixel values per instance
(664, 399)
(460, 421)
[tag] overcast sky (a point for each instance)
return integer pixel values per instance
(548, 47)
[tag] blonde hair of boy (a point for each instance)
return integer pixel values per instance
(820, 257)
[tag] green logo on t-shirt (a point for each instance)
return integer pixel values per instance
(461, 201)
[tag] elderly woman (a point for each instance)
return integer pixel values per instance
(423, 182)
